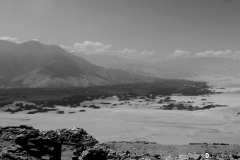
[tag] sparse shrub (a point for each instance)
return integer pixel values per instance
(96, 107)
(60, 112)
(31, 112)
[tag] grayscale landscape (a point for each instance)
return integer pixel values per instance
(111, 80)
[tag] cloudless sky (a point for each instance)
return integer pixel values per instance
(159, 25)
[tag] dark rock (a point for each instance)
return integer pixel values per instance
(236, 156)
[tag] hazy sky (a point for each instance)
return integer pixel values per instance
(145, 27)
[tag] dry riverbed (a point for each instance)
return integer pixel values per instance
(144, 120)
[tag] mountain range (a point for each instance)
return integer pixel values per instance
(215, 70)
(35, 65)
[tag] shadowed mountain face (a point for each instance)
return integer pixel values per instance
(32, 64)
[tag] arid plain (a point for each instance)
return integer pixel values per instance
(144, 121)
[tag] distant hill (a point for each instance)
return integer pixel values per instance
(33, 64)
(209, 69)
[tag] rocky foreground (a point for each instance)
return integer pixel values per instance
(26, 143)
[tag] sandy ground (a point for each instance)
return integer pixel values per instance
(145, 122)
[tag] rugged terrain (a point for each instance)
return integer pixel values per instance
(35, 65)
(25, 142)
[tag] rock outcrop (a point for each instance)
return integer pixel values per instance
(26, 143)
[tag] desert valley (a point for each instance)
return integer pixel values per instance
(119, 80)
(167, 113)
(112, 104)
(141, 119)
